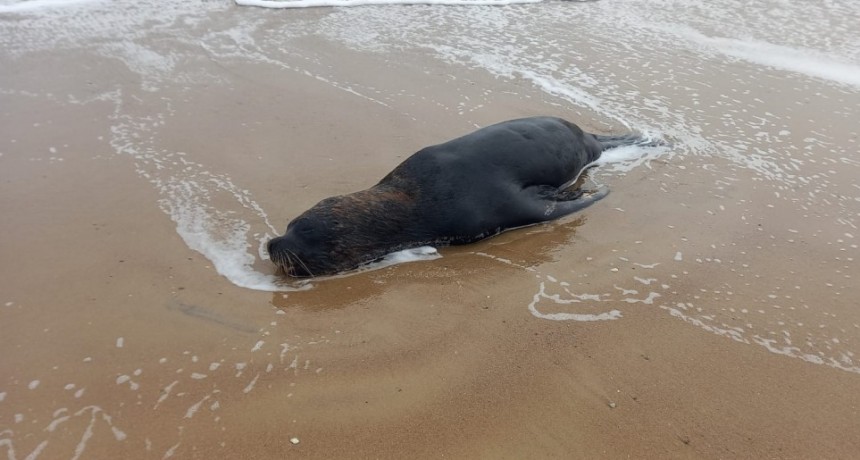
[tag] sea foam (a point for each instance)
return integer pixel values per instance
(793, 59)
(30, 5)
(324, 3)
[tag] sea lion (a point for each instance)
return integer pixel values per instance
(507, 175)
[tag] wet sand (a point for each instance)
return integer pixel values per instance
(121, 341)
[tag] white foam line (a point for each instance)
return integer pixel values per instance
(730, 333)
(165, 394)
(769, 344)
(53, 425)
(405, 256)
(800, 60)
(395, 258)
(606, 316)
(220, 236)
(196, 406)
(251, 385)
(10, 447)
(88, 432)
(795, 352)
(573, 94)
(229, 255)
(170, 452)
(647, 301)
(38, 450)
(323, 3)
(23, 7)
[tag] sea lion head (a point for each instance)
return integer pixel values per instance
(304, 248)
(340, 233)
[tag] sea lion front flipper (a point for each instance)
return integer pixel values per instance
(583, 200)
(564, 202)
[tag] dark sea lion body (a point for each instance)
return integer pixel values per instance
(503, 176)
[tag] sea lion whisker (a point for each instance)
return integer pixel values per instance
(285, 264)
(299, 259)
(289, 265)
(278, 260)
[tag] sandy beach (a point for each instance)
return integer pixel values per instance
(707, 308)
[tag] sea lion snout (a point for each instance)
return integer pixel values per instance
(284, 255)
(275, 248)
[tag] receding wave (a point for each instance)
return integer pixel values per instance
(324, 3)
(805, 61)
(29, 5)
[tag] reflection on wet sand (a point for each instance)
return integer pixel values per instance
(525, 247)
